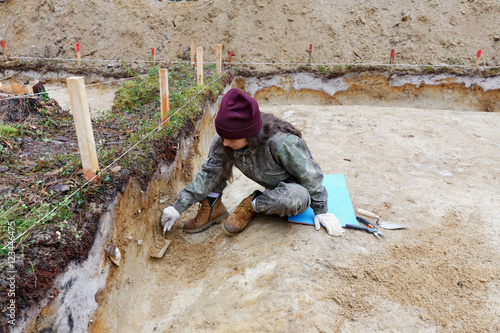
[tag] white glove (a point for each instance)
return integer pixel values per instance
(330, 222)
(170, 214)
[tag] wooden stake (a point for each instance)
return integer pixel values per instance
(478, 56)
(192, 55)
(153, 55)
(4, 53)
(393, 54)
(199, 65)
(78, 53)
(230, 57)
(165, 105)
(218, 62)
(83, 125)
(310, 52)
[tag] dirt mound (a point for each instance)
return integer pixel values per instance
(341, 31)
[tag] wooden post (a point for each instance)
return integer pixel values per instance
(192, 55)
(165, 105)
(83, 125)
(218, 61)
(478, 56)
(78, 53)
(199, 65)
(4, 53)
(310, 53)
(153, 55)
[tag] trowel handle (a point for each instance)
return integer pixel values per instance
(367, 213)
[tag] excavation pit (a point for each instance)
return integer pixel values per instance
(417, 150)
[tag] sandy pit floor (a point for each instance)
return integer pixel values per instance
(435, 171)
(100, 97)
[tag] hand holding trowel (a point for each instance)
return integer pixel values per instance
(382, 224)
(169, 216)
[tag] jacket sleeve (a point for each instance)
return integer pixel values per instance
(294, 155)
(205, 180)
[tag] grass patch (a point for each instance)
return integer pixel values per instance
(8, 130)
(138, 103)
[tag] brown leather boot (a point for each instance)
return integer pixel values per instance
(207, 216)
(239, 219)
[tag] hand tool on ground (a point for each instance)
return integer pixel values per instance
(370, 228)
(382, 224)
(158, 245)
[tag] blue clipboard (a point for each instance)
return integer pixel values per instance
(339, 203)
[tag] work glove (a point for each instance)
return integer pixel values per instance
(170, 214)
(330, 222)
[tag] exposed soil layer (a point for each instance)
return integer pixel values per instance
(431, 170)
(430, 91)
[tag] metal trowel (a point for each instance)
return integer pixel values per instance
(385, 225)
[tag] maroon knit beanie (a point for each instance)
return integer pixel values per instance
(238, 116)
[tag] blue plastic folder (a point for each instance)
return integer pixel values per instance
(339, 203)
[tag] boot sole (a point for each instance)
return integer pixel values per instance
(208, 225)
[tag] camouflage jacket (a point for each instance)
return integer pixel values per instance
(284, 158)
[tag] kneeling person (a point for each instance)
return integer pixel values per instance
(267, 150)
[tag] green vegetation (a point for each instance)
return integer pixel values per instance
(132, 126)
(452, 62)
(7, 130)
(427, 69)
(44, 96)
(141, 100)
(135, 94)
(322, 70)
(16, 217)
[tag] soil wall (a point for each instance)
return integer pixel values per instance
(442, 91)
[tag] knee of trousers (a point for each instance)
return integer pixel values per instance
(284, 200)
